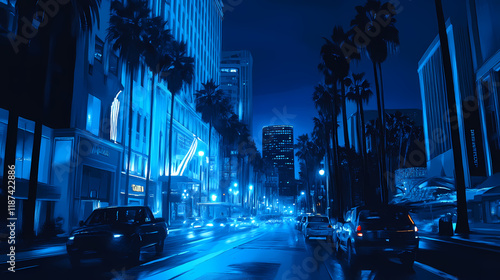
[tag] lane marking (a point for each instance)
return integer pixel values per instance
(164, 258)
(435, 271)
(461, 244)
(183, 268)
(197, 241)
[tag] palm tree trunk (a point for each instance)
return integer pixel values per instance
(407, 146)
(383, 143)
(130, 120)
(366, 174)
(169, 181)
(209, 154)
(344, 118)
(148, 170)
(462, 220)
(30, 203)
(10, 154)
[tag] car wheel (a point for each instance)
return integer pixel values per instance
(351, 257)
(408, 261)
(338, 250)
(159, 246)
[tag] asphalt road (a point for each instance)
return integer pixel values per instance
(269, 252)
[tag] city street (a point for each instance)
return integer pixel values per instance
(272, 251)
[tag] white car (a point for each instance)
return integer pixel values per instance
(317, 226)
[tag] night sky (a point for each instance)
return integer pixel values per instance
(285, 37)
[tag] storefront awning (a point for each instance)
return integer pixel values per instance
(43, 191)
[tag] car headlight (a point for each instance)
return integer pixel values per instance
(210, 225)
(71, 237)
(117, 235)
(222, 225)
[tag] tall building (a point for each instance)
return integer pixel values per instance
(236, 81)
(484, 27)
(437, 131)
(84, 145)
(277, 148)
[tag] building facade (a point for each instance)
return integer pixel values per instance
(236, 82)
(84, 147)
(437, 131)
(277, 148)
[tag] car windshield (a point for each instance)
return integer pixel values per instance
(318, 219)
(379, 219)
(118, 215)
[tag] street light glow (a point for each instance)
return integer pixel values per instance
(201, 153)
(235, 185)
(302, 193)
(214, 197)
(322, 172)
(250, 187)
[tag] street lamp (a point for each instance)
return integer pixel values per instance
(235, 185)
(214, 197)
(321, 172)
(302, 193)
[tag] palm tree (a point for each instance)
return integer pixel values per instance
(327, 103)
(360, 93)
(156, 57)
(386, 41)
(210, 103)
(303, 153)
(338, 64)
(178, 72)
(127, 32)
(80, 15)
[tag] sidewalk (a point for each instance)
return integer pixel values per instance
(481, 235)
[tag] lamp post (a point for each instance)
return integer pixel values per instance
(200, 154)
(322, 174)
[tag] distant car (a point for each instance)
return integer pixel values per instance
(193, 222)
(298, 222)
(388, 231)
(221, 224)
(302, 222)
(246, 222)
(317, 226)
(116, 231)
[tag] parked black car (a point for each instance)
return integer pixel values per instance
(116, 231)
(371, 232)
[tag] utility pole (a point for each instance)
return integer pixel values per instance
(462, 220)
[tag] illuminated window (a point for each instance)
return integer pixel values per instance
(93, 114)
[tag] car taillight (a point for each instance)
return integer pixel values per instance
(358, 229)
(330, 226)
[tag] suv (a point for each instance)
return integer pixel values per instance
(115, 231)
(317, 226)
(387, 231)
